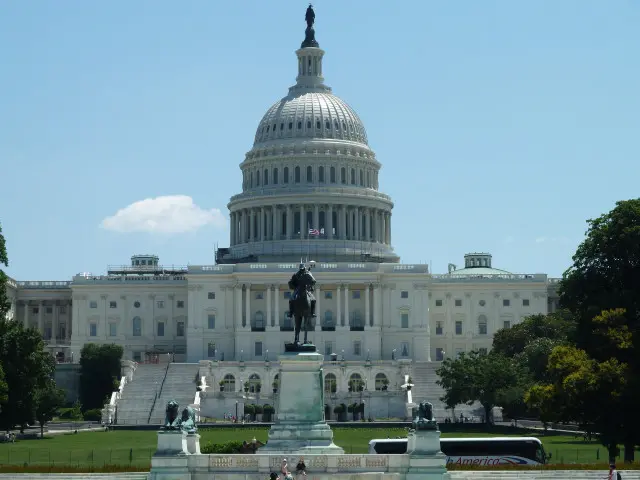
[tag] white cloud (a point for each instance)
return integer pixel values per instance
(167, 214)
(552, 240)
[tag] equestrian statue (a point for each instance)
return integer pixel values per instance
(302, 305)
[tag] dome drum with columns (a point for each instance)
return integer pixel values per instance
(310, 182)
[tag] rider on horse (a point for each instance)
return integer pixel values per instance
(294, 284)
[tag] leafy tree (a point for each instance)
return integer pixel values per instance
(27, 368)
(48, 400)
(4, 390)
(605, 276)
(586, 391)
(99, 372)
(475, 376)
(5, 304)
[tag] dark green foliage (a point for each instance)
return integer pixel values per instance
(5, 304)
(99, 373)
(3, 388)
(93, 415)
(486, 378)
(227, 447)
(27, 368)
(48, 400)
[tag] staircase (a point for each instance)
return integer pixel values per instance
(179, 385)
(424, 378)
(137, 396)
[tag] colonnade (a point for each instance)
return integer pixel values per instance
(288, 222)
(60, 329)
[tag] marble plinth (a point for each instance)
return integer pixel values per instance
(426, 460)
(300, 426)
(171, 443)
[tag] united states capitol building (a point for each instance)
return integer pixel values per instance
(309, 190)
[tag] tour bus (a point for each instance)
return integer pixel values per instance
(486, 451)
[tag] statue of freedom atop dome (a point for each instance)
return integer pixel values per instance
(310, 33)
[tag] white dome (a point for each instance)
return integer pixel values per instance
(310, 114)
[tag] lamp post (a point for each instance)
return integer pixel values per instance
(236, 419)
(254, 444)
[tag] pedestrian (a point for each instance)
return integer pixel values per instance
(613, 473)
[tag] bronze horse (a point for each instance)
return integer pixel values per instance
(303, 284)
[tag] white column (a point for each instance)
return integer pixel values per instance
(54, 322)
(231, 229)
(346, 305)
(329, 221)
(269, 293)
(238, 297)
(40, 325)
(367, 310)
(387, 229)
(248, 305)
(376, 306)
(318, 310)
(274, 223)
(343, 223)
(26, 314)
(172, 305)
(276, 292)
(358, 224)
(383, 228)
(289, 222)
(252, 225)
(367, 217)
(261, 224)
(338, 305)
(303, 222)
(316, 217)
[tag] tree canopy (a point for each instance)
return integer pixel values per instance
(4, 390)
(5, 304)
(490, 379)
(100, 367)
(48, 400)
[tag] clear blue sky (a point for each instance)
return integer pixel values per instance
(501, 125)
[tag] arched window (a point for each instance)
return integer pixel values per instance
(137, 326)
(321, 174)
(285, 175)
(343, 175)
(482, 325)
(266, 177)
(258, 178)
(255, 385)
(381, 382)
(353, 176)
(330, 383)
(275, 176)
(229, 382)
(296, 174)
(332, 175)
(356, 384)
(309, 174)
(258, 321)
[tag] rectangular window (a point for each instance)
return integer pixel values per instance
(458, 327)
(180, 304)
(93, 330)
(506, 324)
(357, 348)
(439, 354)
(160, 329)
(113, 329)
(438, 328)
(404, 294)
(211, 295)
(506, 302)
(287, 295)
(137, 356)
(458, 302)
(259, 296)
(328, 295)
(160, 304)
(328, 348)
(257, 349)
(482, 328)
(49, 310)
(180, 329)
(113, 304)
(355, 294)
(211, 350)
(36, 309)
(404, 320)
(404, 349)
(438, 303)
(62, 310)
(93, 304)
(483, 351)
(211, 321)
(525, 302)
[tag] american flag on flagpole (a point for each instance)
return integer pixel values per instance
(314, 232)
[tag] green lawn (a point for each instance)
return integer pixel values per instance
(126, 447)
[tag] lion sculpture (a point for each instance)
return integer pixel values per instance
(171, 419)
(424, 417)
(188, 420)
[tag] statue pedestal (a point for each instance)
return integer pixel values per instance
(300, 426)
(171, 443)
(193, 444)
(426, 460)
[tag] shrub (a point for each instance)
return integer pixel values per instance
(228, 447)
(93, 415)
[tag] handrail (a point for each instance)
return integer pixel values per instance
(158, 392)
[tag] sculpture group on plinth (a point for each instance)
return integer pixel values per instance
(185, 422)
(302, 307)
(423, 417)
